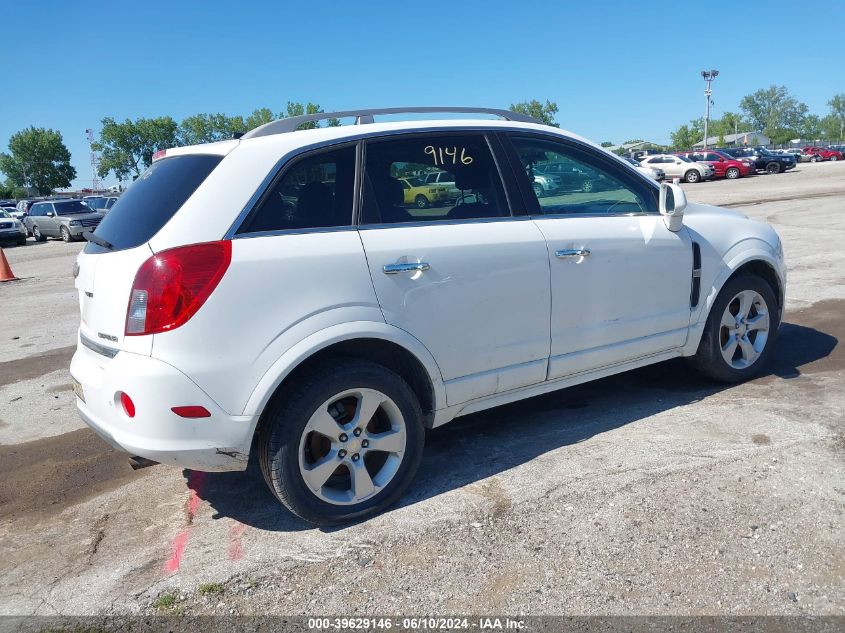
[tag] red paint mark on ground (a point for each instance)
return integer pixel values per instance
(178, 548)
(196, 483)
(236, 549)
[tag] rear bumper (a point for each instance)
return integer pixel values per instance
(217, 443)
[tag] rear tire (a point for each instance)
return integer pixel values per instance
(587, 186)
(740, 331)
(421, 201)
(291, 449)
(833, 159)
(692, 176)
(538, 190)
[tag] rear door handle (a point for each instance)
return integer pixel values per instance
(395, 269)
(570, 253)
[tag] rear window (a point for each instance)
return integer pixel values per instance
(152, 200)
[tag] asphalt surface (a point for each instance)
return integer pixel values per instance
(649, 492)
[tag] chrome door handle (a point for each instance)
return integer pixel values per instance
(395, 269)
(578, 252)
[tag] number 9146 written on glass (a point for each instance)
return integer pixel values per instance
(441, 155)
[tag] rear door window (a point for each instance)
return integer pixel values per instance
(315, 191)
(397, 188)
(152, 200)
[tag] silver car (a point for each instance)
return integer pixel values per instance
(11, 229)
(65, 218)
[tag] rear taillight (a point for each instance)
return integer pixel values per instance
(172, 285)
(159, 154)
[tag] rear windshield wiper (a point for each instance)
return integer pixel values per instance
(99, 241)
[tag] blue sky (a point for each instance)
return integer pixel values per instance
(617, 70)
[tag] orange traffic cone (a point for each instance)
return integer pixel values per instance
(6, 273)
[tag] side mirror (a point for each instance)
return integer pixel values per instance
(673, 201)
(50, 214)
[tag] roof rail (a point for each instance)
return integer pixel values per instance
(291, 124)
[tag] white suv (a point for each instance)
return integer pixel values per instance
(274, 296)
(675, 166)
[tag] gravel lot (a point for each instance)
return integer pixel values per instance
(650, 492)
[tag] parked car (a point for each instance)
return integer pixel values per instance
(681, 167)
(569, 177)
(11, 229)
(544, 183)
(65, 218)
(649, 172)
(798, 155)
(724, 165)
(764, 160)
(445, 179)
(324, 339)
(823, 152)
(421, 195)
(24, 205)
(100, 203)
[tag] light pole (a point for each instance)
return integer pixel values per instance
(709, 76)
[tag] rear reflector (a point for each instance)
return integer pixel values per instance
(127, 404)
(191, 412)
(172, 285)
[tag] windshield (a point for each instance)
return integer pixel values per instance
(764, 152)
(3, 214)
(72, 207)
(685, 159)
(415, 182)
(633, 162)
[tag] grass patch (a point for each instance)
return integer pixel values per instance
(165, 601)
(210, 589)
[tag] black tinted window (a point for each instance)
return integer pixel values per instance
(395, 187)
(153, 199)
(315, 191)
(72, 207)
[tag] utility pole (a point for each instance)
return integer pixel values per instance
(709, 76)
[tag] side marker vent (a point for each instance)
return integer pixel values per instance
(696, 275)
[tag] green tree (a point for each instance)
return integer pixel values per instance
(830, 128)
(811, 128)
(542, 112)
(774, 112)
(127, 148)
(37, 159)
(685, 137)
(207, 128)
(298, 109)
(837, 114)
(258, 118)
(730, 123)
(607, 144)
(8, 190)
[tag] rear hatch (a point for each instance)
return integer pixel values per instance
(106, 268)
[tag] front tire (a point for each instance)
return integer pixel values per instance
(343, 443)
(732, 173)
(66, 235)
(833, 159)
(36, 233)
(740, 331)
(692, 176)
(773, 168)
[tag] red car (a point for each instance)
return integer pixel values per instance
(825, 153)
(724, 165)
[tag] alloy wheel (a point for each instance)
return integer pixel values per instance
(352, 446)
(744, 329)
